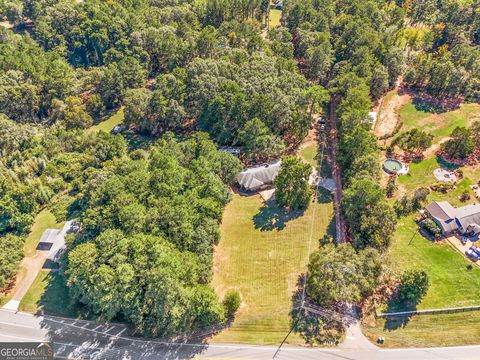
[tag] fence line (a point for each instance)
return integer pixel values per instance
(429, 311)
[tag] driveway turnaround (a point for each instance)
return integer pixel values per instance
(81, 339)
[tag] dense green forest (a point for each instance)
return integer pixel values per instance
(192, 76)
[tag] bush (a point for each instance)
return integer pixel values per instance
(391, 185)
(432, 228)
(10, 257)
(442, 187)
(231, 302)
(420, 197)
(403, 206)
(465, 196)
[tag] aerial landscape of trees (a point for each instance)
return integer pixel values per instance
(191, 77)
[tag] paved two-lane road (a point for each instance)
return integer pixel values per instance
(88, 340)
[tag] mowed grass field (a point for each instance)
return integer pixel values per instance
(427, 330)
(110, 123)
(452, 284)
(264, 265)
(309, 154)
(275, 16)
(442, 124)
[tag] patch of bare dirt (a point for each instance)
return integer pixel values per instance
(436, 119)
(310, 139)
(388, 113)
(6, 24)
(432, 150)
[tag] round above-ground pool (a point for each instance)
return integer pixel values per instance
(393, 166)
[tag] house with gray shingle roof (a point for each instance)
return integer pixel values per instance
(259, 177)
(465, 219)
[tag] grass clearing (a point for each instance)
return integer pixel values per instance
(440, 125)
(309, 154)
(264, 265)
(110, 123)
(48, 293)
(427, 330)
(44, 220)
(275, 16)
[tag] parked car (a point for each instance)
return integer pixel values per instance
(472, 254)
(476, 250)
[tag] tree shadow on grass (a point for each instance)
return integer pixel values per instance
(324, 196)
(447, 165)
(331, 233)
(312, 327)
(398, 321)
(273, 217)
(435, 105)
(56, 298)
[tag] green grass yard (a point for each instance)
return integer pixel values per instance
(48, 293)
(440, 125)
(264, 266)
(309, 154)
(110, 123)
(275, 16)
(452, 284)
(427, 330)
(44, 220)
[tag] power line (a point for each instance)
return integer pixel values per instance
(302, 301)
(309, 249)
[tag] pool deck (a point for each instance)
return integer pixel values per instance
(399, 169)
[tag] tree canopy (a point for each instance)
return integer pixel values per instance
(293, 190)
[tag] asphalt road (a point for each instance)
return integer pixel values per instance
(87, 340)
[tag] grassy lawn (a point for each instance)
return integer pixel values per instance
(261, 254)
(451, 283)
(442, 124)
(427, 330)
(48, 293)
(110, 123)
(44, 220)
(309, 154)
(275, 16)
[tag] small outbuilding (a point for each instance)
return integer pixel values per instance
(259, 177)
